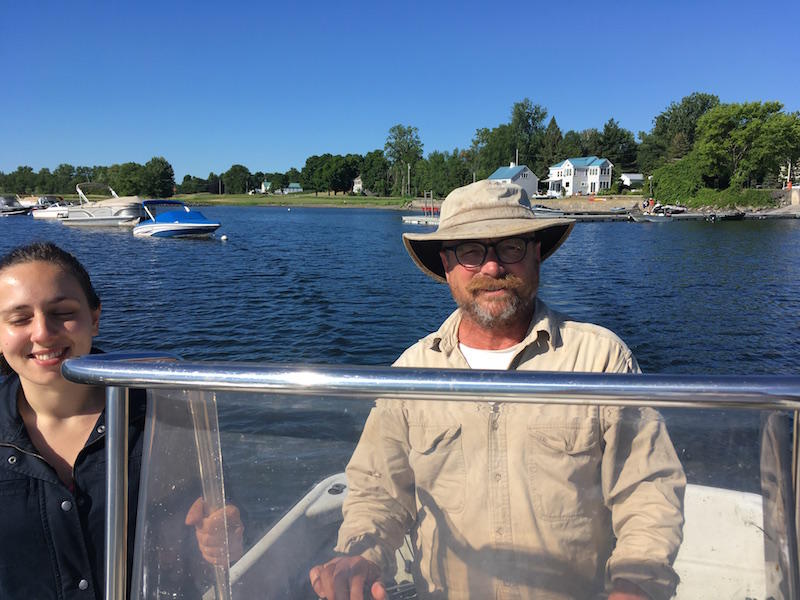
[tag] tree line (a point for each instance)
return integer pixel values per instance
(694, 144)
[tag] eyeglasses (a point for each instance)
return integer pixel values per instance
(473, 254)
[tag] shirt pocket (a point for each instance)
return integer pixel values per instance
(437, 458)
(563, 463)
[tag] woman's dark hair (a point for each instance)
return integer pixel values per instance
(50, 253)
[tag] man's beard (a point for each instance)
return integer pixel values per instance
(516, 305)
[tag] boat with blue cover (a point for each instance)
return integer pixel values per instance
(172, 218)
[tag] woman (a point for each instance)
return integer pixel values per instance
(52, 436)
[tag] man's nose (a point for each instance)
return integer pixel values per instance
(492, 267)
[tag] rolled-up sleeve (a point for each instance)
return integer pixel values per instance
(380, 506)
(643, 487)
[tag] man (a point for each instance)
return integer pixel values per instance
(508, 500)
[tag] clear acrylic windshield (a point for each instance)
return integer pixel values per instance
(283, 460)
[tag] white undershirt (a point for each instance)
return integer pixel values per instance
(488, 359)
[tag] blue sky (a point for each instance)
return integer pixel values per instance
(267, 84)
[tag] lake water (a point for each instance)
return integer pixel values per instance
(335, 286)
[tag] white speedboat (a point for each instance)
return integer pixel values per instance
(739, 538)
(172, 218)
(50, 207)
(539, 210)
(116, 211)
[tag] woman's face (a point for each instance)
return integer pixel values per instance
(45, 318)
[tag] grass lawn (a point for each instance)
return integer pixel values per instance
(321, 199)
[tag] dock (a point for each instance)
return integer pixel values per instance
(421, 220)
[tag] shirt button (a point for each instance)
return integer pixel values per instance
(101, 429)
(66, 505)
(83, 584)
(12, 460)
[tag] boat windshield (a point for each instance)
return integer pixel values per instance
(278, 453)
(158, 208)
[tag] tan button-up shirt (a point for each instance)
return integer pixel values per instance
(519, 501)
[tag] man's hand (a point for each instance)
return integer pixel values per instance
(347, 578)
(625, 590)
(210, 532)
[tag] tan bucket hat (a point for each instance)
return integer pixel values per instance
(484, 210)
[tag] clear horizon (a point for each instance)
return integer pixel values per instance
(209, 85)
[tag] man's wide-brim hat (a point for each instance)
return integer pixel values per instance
(484, 210)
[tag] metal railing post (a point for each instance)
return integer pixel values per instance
(116, 535)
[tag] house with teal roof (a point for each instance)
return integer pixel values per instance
(519, 174)
(583, 175)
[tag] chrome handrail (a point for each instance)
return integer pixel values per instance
(125, 370)
(687, 391)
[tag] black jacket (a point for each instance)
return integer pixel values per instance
(52, 538)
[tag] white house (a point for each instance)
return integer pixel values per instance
(358, 185)
(521, 175)
(632, 180)
(583, 175)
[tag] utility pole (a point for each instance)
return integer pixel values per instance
(409, 179)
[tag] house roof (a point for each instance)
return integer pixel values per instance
(294, 185)
(633, 175)
(582, 161)
(507, 172)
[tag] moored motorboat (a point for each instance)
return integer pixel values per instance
(50, 207)
(116, 211)
(651, 218)
(540, 210)
(10, 206)
(172, 218)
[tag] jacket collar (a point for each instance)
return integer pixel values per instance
(12, 429)
(544, 323)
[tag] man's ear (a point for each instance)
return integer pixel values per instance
(443, 256)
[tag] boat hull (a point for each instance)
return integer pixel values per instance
(168, 230)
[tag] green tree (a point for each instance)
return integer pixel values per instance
(493, 148)
(159, 178)
(235, 179)
(375, 173)
(591, 142)
(192, 185)
(551, 148)
(45, 183)
(214, 184)
(292, 176)
(570, 146)
(619, 146)
(737, 144)
(127, 179)
(527, 127)
(22, 181)
(677, 181)
(674, 131)
(64, 179)
(403, 148)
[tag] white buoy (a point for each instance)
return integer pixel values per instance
(288, 210)
(224, 238)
